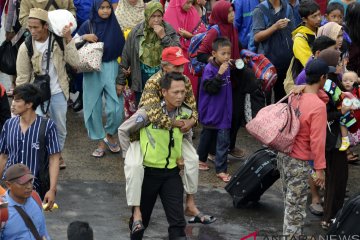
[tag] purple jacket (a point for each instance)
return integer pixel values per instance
(301, 78)
(215, 108)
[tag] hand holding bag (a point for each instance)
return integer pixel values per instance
(276, 125)
(90, 56)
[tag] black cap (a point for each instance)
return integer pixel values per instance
(318, 67)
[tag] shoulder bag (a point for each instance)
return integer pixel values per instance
(276, 125)
(42, 81)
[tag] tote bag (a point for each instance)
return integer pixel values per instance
(276, 125)
(90, 56)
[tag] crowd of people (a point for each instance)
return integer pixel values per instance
(152, 99)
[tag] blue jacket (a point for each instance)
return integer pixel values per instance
(243, 19)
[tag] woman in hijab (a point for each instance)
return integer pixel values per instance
(334, 31)
(185, 19)
(102, 26)
(130, 13)
(141, 57)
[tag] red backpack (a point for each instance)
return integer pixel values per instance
(262, 67)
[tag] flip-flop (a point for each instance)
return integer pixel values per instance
(224, 177)
(203, 166)
(207, 219)
(114, 148)
(98, 153)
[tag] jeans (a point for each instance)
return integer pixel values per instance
(57, 112)
(207, 139)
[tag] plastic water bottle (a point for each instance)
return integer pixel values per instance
(313, 174)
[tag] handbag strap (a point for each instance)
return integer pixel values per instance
(29, 223)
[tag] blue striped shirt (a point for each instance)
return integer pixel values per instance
(24, 147)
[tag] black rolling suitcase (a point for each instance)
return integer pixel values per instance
(257, 174)
(347, 219)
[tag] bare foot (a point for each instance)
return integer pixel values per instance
(137, 214)
(191, 210)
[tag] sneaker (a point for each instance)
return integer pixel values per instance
(344, 145)
(237, 153)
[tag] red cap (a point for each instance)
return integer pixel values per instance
(174, 55)
(18, 173)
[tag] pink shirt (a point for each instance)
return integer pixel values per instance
(310, 141)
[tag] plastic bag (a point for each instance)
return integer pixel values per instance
(8, 54)
(60, 18)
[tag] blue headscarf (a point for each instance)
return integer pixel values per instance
(107, 30)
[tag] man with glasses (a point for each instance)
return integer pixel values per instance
(19, 181)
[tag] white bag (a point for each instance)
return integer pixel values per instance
(90, 56)
(60, 18)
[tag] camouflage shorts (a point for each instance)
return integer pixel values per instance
(294, 175)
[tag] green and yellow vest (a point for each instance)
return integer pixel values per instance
(161, 147)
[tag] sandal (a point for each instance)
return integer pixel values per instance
(203, 166)
(324, 225)
(114, 148)
(352, 157)
(202, 218)
(98, 153)
(137, 228)
(224, 177)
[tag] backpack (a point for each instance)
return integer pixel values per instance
(195, 66)
(265, 9)
(4, 211)
(29, 45)
(262, 67)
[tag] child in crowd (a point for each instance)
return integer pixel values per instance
(215, 108)
(321, 43)
(78, 230)
(103, 26)
(350, 98)
(335, 13)
(304, 35)
(199, 5)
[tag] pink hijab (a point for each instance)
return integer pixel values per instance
(178, 18)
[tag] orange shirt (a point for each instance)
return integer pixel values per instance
(310, 141)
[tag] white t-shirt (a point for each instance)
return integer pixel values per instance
(54, 83)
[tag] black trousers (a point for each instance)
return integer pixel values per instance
(336, 176)
(168, 185)
(244, 82)
(279, 90)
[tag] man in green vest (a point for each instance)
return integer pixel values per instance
(161, 149)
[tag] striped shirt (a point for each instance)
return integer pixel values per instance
(25, 147)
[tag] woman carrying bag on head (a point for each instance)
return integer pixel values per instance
(102, 26)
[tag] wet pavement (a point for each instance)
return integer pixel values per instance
(93, 190)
